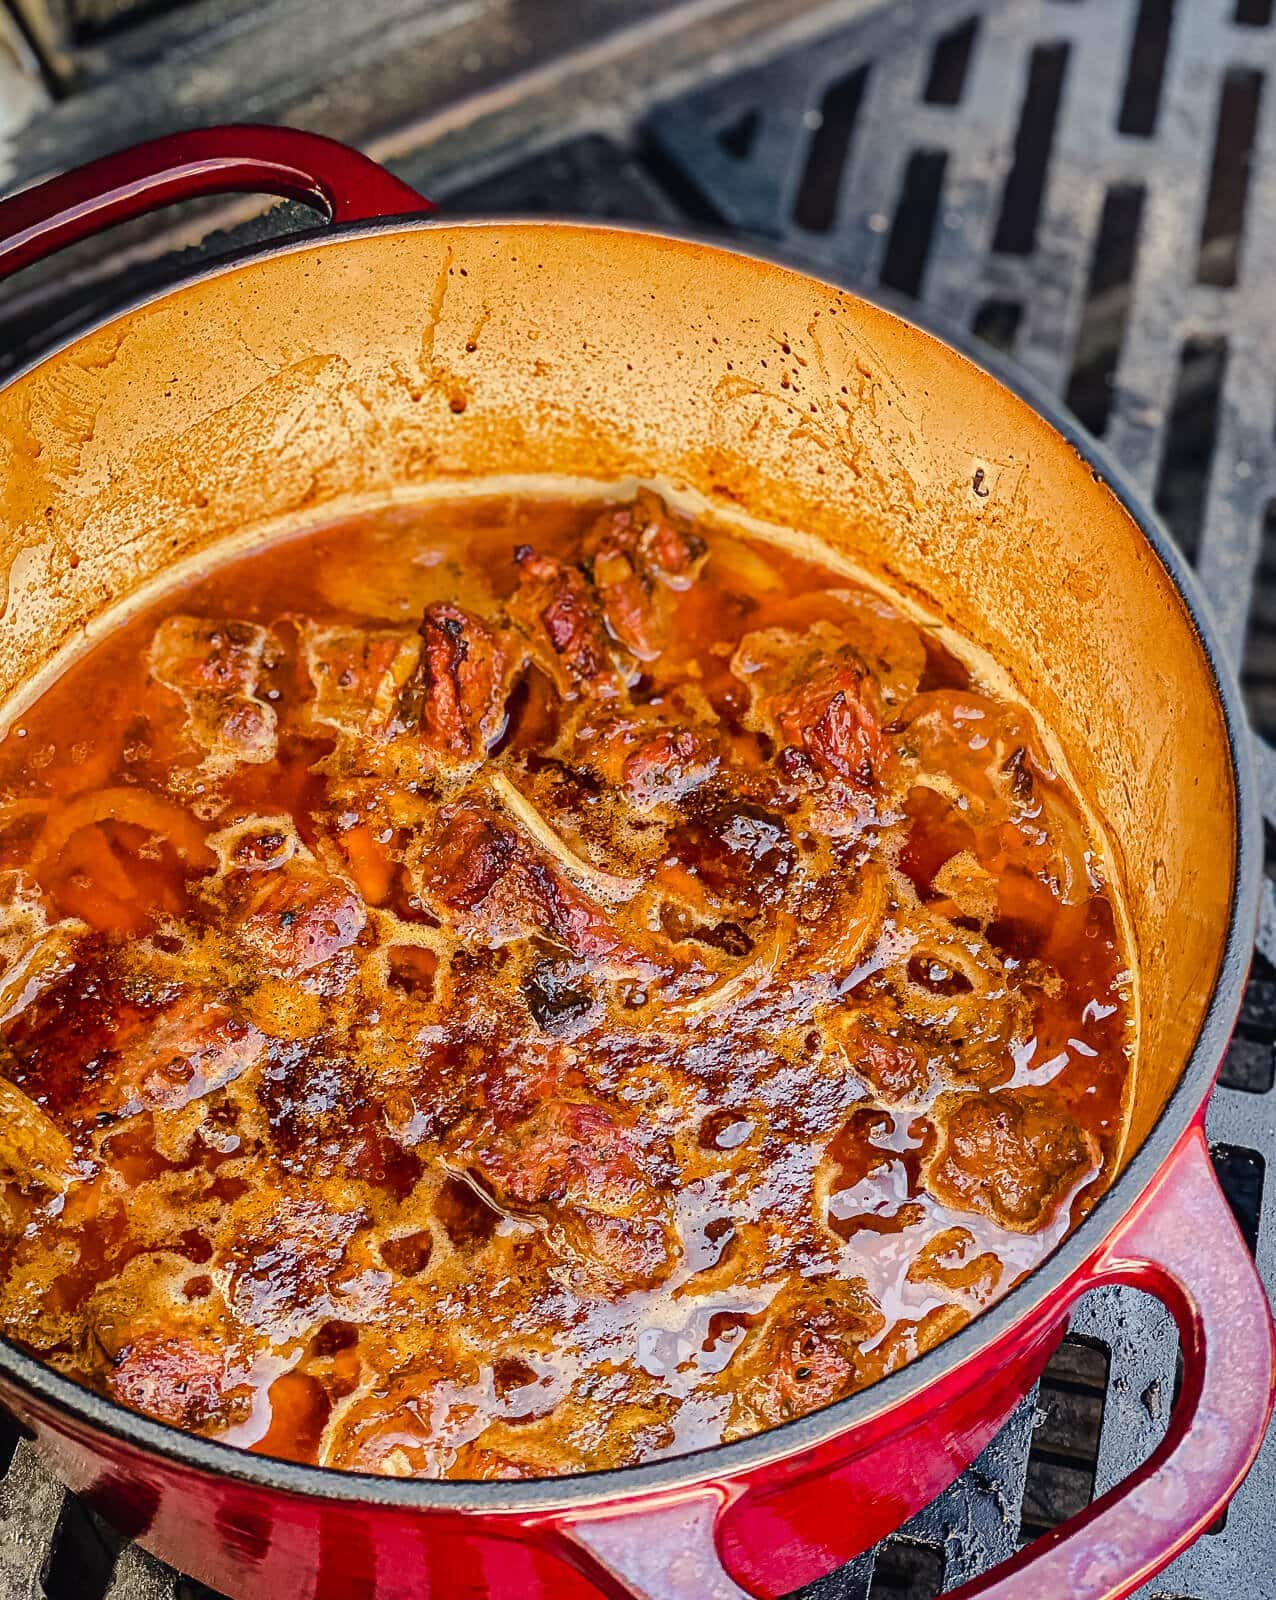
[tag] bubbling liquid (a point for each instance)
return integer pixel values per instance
(510, 987)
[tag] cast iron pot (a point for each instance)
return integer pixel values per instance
(308, 378)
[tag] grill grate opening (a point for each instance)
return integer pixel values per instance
(1016, 232)
(1224, 220)
(907, 1569)
(1253, 13)
(738, 135)
(997, 323)
(190, 1589)
(908, 249)
(816, 204)
(1063, 1458)
(949, 63)
(1241, 1173)
(1258, 664)
(9, 1438)
(82, 1554)
(1149, 48)
(1250, 1063)
(1107, 308)
(1190, 439)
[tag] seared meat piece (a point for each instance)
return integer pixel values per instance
(812, 692)
(987, 757)
(578, 1165)
(445, 686)
(803, 1354)
(1013, 1156)
(359, 677)
(193, 1047)
(215, 667)
(178, 1378)
(459, 691)
(160, 1353)
(293, 1272)
(654, 764)
(896, 1070)
(638, 554)
(740, 851)
(280, 902)
(300, 916)
(557, 608)
(484, 880)
(410, 1427)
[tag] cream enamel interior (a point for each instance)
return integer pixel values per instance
(376, 364)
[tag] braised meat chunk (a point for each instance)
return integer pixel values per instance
(458, 694)
(559, 611)
(510, 986)
(1014, 1157)
(191, 1048)
(576, 1165)
(813, 693)
(215, 668)
(491, 885)
(803, 1353)
(278, 901)
(638, 554)
(360, 678)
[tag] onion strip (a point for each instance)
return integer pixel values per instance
(605, 885)
(736, 987)
(158, 816)
(32, 1146)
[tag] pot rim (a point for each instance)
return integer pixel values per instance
(1067, 1261)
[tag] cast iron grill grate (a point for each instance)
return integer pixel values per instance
(1089, 187)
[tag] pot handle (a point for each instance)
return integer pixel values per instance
(238, 158)
(1182, 1245)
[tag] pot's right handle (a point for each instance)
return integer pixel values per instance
(1182, 1245)
(239, 158)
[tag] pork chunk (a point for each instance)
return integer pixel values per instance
(803, 1354)
(161, 1354)
(459, 690)
(190, 1049)
(639, 554)
(819, 701)
(300, 917)
(580, 1166)
(558, 610)
(281, 902)
(1013, 1156)
(487, 882)
(215, 667)
(180, 1378)
(408, 1428)
(653, 765)
(359, 677)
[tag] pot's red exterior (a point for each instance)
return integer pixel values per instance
(762, 1517)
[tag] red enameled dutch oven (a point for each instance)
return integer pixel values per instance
(306, 378)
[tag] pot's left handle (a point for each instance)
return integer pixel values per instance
(239, 158)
